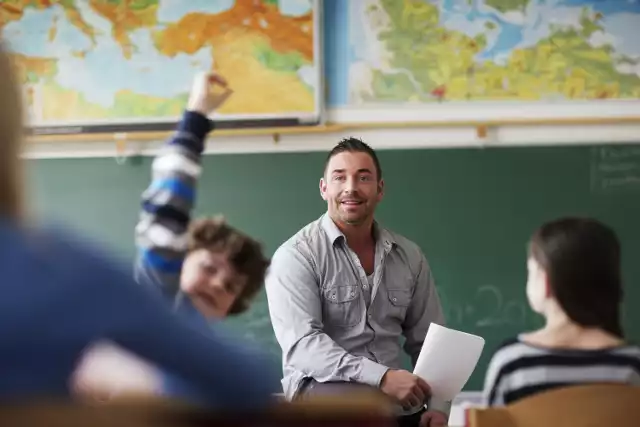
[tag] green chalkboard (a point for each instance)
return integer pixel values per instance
(471, 211)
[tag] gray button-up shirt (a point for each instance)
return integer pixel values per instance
(330, 325)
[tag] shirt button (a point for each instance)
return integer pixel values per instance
(394, 299)
(353, 294)
(364, 286)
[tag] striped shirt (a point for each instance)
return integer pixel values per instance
(167, 204)
(518, 370)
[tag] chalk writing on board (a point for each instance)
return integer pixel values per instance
(486, 308)
(615, 169)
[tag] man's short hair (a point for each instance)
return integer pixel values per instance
(354, 145)
(244, 253)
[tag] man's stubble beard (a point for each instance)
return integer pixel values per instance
(360, 220)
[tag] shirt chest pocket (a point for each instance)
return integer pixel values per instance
(399, 301)
(341, 306)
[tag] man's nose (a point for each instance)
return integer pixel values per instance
(350, 185)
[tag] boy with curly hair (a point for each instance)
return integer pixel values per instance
(207, 268)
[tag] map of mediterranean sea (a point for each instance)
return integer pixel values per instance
(420, 51)
(121, 62)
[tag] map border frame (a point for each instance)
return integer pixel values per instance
(494, 112)
(237, 121)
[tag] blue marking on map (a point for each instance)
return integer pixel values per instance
(174, 10)
(104, 70)
(606, 6)
(294, 7)
(511, 35)
(30, 35)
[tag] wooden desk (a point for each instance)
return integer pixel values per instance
(354, 411)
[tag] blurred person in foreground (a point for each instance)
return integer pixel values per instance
(60, 295)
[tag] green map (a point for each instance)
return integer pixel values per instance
(494, 50)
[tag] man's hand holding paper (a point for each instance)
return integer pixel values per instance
(408, 389)
(446, 361)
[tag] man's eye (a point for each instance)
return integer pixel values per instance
(338, 178)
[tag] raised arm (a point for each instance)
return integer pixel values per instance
(296, 315)
(169, 200)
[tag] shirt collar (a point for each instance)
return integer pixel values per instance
(333, 232)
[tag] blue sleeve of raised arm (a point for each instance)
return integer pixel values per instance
(167, 205)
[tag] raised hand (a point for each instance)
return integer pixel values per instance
(204, 98)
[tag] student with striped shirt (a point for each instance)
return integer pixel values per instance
(205, 268)
(574, 282)
(210, 266)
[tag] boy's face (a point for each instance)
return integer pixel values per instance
(211, 282)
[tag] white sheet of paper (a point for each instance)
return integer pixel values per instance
(447, 360)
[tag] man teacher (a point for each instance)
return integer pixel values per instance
(343, 290)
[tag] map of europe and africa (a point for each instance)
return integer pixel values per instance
(119, 61)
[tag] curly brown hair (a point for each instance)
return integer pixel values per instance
(244, 253)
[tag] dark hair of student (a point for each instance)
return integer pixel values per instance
(581, 257)
(354, 145)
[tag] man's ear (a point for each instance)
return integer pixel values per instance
(323, 188)
(380, 189)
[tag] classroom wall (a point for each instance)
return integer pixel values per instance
(470, 210)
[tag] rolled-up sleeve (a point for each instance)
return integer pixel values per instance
(295, 308)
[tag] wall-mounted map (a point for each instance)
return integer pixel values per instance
(469, 51)
(126, 65)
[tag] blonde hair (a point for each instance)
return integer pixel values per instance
(11, 134)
